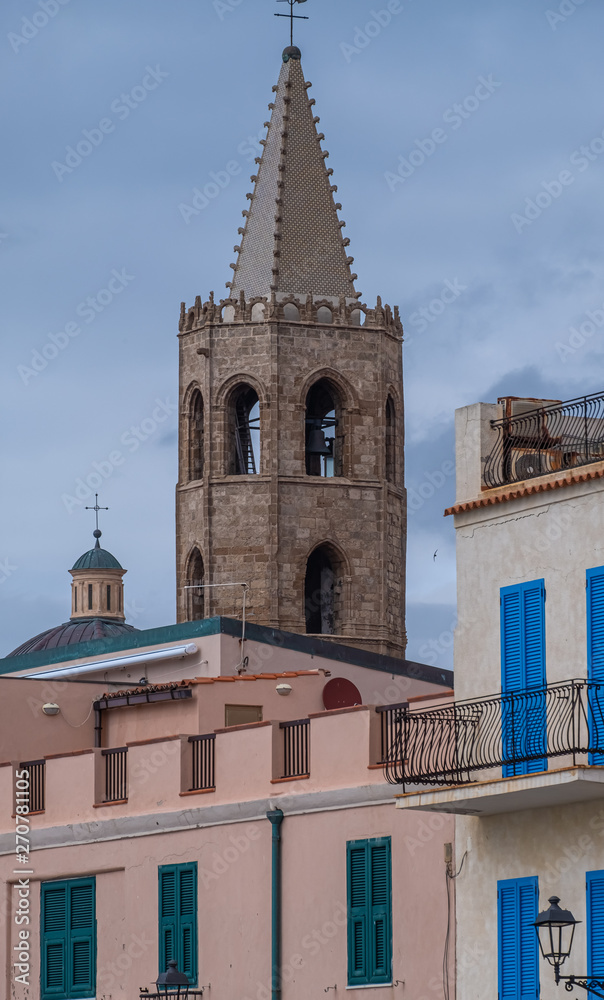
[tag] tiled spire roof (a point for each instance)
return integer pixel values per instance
(292, 241)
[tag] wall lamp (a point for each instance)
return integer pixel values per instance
(555, 930)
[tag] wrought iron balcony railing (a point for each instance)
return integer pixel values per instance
(296, 748)
(116, 774)
(202, 762)
(547, 439)
(517, 732)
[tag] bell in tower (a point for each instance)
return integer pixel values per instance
(291, 475)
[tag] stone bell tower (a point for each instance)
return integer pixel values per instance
(291, 472)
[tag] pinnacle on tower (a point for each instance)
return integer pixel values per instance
(292, 242)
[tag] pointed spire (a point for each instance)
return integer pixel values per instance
(292, 242)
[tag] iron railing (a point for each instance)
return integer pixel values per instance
(202, 755)
(517, 732)
(37, 784)
(116, 774)
(547, 439)
(296, 746)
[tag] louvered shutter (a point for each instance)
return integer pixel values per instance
(54, 940)
(187, 957)
(524, 724)
(595, 660)
(178, 918)
(82, 939)
(595, 923)
(369, 912)
(518, 947)
(68, 939)
(357, 913)
(380, 956)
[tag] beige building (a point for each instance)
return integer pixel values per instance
(291, 473)
(518, 760)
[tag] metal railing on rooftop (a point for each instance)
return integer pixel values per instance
(202, 763)
(116, 774)
(517, 732)
(37, 784)
(296, 747)
(545, 440)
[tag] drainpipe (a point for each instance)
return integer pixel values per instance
(276, 818)
(98, 727)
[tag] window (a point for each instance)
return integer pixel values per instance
(595, 923)
(517, 900)
(323, 441)
(242, 715)
(195, 595)
(291, 312)
(119, 598)
(595, 656)
(178, 918)
(524, 731)
(390, 440)
(90, 597)
(68, 939)
(319, 595)
(324, 315)
(244, 419)
(196, 436)
(108, 598)
(369, 890)
(75, 598)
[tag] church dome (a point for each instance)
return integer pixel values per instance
(96, 558)
(82, 630)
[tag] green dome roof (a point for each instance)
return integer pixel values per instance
(97, 558)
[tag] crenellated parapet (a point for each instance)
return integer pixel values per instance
(324, 311)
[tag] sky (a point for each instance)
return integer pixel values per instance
(467, 145)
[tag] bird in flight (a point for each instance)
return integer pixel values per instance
(434, 556)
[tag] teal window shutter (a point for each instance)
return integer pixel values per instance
(517, 901)
(595, 660)
(178, 918)
(369, 879)
(595, 923)
(524, 726)
(68, 939)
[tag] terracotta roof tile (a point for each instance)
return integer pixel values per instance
(521, 490)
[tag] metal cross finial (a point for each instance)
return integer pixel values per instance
(96, 509)
(293, 17)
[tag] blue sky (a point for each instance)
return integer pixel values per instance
(197, 78)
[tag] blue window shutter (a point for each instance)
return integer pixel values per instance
(524, 727)
(595, 659)
(178, 918)
(68, 966)
(369, 877)
(595, 923)
(517, 901)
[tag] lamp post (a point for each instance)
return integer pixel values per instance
(555, 931)
(171, 983)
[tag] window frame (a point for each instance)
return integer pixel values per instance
(69, 936)
(179, 924)
(519, 946)
(366, 914)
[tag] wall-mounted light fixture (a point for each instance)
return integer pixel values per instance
(283, 689)
(51, 708)
(555, 930)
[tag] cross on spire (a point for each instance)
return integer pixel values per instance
(293, 17)
(97, 534)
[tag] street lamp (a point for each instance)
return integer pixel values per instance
(171, 983)
(555, 931)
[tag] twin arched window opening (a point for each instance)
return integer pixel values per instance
(244, 437)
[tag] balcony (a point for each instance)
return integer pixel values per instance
(516, 736)
(548, 439)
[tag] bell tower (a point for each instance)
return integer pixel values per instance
(291, 476)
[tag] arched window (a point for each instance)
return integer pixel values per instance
(390, 440)
(244, 437)
(291, 312)
(258, 312)
(324, 315)
(196, 436)
(195, 594)
(321, 603)
(323, 431)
